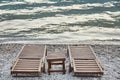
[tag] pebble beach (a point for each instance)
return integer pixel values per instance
(109, 56)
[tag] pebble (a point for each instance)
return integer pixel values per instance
(108, 55)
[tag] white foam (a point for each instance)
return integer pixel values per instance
(53, 8)
(108, 4)
(117, 13)
(80, 33)
(11, 3)
(38, 1)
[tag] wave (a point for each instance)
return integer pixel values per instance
(60, 19)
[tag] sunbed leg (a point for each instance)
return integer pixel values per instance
(50, 65)
(12, 74)
(70, 69)
(16, 74)
(67, 52)
(44, 68)
(63, 67)
(38, 74)
(48, 72)
(46, 53)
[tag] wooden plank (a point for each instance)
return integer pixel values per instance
(85, 64)
(82, 60)
(20, 68)
(95, 64)
(14, 64)
(25, 71)
(74, 65)
(70, 57)
(33, 63)
(24, 64)
(88, 71)
(69, 50)
(85, 53)
(27, 67)
(32, 51)
(28, 62)
(98, 61)
(56, 70)
(87, 67)
(20, 51)
(77, 59)
(99, 66)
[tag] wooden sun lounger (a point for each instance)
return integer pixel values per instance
(84, 62)
(30, 61)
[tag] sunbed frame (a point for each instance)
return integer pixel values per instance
(30, 60)
(84, 62)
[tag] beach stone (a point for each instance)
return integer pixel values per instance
(118, 72)
(108, 55)
(118, 78)
(2, 60)
(1, 66)
(0, 75)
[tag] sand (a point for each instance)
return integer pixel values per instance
(109, 55)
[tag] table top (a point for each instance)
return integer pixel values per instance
(55, 56)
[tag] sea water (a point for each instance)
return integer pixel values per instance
(59, 20)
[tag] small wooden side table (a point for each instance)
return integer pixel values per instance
(56, 59)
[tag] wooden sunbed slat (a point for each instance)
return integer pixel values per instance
(27, 67)
(86, 66)
(32, 51)
(81, 52)
(24, 68)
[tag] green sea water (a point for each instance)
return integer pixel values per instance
(56, 20)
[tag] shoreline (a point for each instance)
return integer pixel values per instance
(55, 42)
(109, 56)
